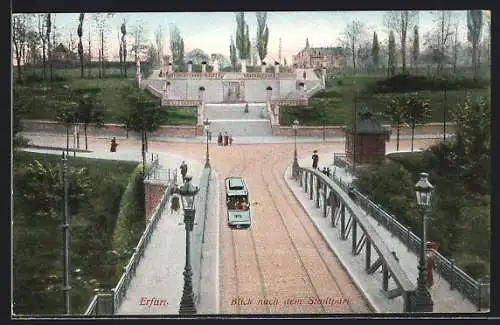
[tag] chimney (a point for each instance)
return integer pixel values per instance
(276, 67)
(263, 67)
(204, 66)
(190, 66)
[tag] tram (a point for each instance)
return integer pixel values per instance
(238, 206)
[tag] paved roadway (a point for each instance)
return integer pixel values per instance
(282, 256)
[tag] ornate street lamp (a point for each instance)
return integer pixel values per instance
(423, 191)
(66, 236)
(295, 166)
(207, 130)
(188, 192)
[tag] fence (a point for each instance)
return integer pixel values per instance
(476, 291)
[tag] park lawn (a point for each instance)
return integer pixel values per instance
(38, 245)
(112, 95)
(337, 103)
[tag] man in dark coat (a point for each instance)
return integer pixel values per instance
(315, 158)
(114, 144)
(219, 139)
(184, 169)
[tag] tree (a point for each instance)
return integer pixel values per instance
(18, 38)
(352, 34)
(48, 25)
(89, 110)
(176, 47)
(159, 43)
(399, 21)
(443, 34)
(456, 48)
(415, 50)
(474, 27)
(221, 58)
(395, 112)
(262, 34)
(143, 116)
(391, 55)
(123, 29)
(66, 114)
(242, 37)
(80, 44)
(197, 56)
(375, 52)
(416, 112)
(232, 54)
(43, 39)
(102, 28)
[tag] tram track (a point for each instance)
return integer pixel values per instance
(240, 238)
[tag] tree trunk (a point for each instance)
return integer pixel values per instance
(397, 137)
(474, 61)
(412, 136)
(354, 57)
(102, 52)
(44, 58)
(403, 52)
(85, 131)
(67, 139)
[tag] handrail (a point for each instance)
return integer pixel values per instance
(371, 234)
(119, 291)
(476, 291)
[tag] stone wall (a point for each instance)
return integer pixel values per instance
(110, 130)
(154, 192)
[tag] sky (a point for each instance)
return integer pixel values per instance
(211, 31)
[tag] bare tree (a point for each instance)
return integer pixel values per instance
(48, 25)
(159, 36)
(123, 30)
(140, 43)
(352, 35)
(18, 38)
(43, 38)
(89, 68)
(400, 21)
(474, 26)
(415, 50)
(80, 44)
(456, 47)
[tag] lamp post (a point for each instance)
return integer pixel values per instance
(295, 166)
(66, 224)
(207, 130)
(188, 192)
(423, 191)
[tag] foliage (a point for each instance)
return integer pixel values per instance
(142, 113)
(130, 221)
(95, 190)
(391, 63)
(176, 47)
(395, 112)
(375, 51)
(262, 35)
(415, 50)
(242, 37)
(402, 83)
(233, 57)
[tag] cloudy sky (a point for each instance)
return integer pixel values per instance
(211, 31)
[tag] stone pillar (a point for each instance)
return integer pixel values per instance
(170, 67)
(301, 88)
(201, 110)
(243, 65)
(190, 66)
(216, 66)
(138, 73)
(276, 67)
(263, 67)
(203, 67)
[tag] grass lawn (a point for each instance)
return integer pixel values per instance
(112, 94)
(336, 105)
(37, 238)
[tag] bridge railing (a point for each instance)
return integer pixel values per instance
(101, 303)
(475, 291)
(352, 219)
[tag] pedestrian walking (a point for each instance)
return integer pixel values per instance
(184, 169)
(219, 139)
(230, 140)
(226, 139)
(174, 204)
(315, 158)
(114, 144)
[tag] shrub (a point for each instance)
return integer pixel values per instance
(130, 221)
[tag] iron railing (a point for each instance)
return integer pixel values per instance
(99, 304)
(477, 292)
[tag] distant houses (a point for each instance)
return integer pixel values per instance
(317, 57)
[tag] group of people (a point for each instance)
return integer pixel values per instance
(224, 140)
(241, 204)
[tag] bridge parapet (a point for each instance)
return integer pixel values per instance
(477, 292)
(352, 219)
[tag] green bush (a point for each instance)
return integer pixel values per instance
(402, 83)
(130, 222)
(473, 265)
